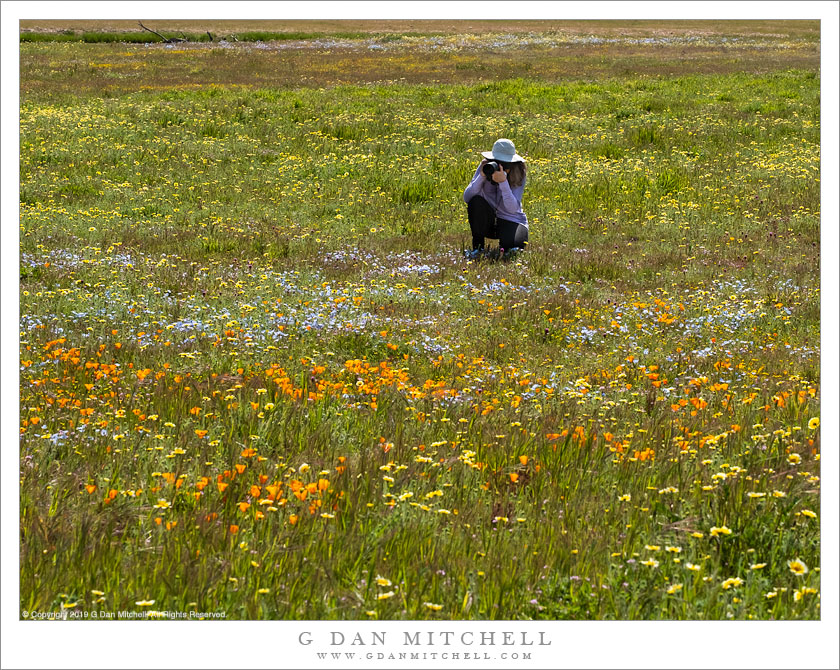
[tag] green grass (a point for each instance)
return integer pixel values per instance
(143, 37)
(254, 290)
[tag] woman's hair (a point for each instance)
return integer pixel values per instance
(517, 173)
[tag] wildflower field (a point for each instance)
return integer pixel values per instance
(258, 376)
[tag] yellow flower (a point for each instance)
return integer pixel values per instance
(804, 591)
(673, 589)
(381, 581)
(808, 513)
(144, 603)
(433, 606)
(814, 423)
(797, 567)
(714, 531)
(385, 596)
(794, 459)
(651, 563)
(757, 566)
(697, 535)
(652, 547)
(732, 582)
(693, 567)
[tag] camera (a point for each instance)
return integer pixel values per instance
(490, 168)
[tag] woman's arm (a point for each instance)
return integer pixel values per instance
(476, 183)
(511, 198)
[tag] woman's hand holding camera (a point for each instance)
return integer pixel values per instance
(498, 176)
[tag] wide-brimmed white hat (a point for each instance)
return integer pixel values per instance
(503, 150)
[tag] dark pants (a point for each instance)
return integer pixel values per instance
(485, 223)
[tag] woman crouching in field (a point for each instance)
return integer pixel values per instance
(494, 203)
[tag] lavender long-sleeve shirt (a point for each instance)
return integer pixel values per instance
(505, 200)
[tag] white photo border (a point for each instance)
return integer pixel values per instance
(627, 644)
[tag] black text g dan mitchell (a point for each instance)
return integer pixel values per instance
(431, 638)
